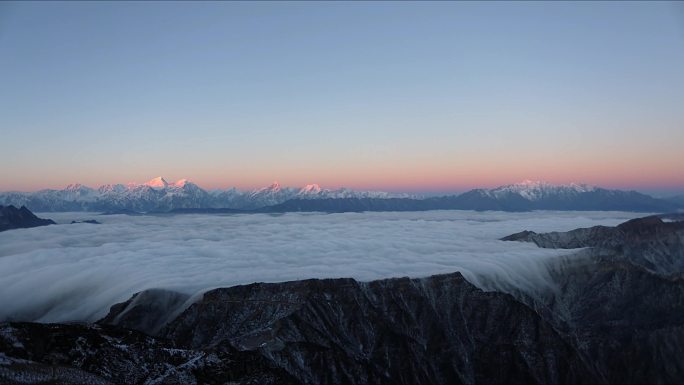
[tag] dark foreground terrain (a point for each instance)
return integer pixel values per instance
(615, 316)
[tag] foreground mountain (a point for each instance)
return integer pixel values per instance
(621, 300)
(14, 218)
(614, 315)
(440, 329)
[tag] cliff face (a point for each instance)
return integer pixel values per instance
(616, 315)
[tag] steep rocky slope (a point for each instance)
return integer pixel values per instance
(628, 320)
(439, 330)
(621, 301)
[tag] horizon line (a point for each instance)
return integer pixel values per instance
(427, 190)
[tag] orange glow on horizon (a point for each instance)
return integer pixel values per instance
(413, 175)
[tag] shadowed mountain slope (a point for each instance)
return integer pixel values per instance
(14, 218)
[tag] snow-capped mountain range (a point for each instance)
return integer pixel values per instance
(158, 195)
(537, 190)
(523, 196)
(534, 195)
(161, 195)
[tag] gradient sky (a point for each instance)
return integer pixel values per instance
(394, 96)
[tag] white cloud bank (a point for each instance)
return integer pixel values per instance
(76, 272)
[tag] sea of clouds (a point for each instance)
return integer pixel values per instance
(75, 272)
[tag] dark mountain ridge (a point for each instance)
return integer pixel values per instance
(20, 218)
(648, 242)
(440, 329)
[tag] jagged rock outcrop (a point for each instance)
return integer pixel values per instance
(14, 218)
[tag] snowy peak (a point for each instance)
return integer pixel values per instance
(273, 188)
(157, 182)
(75, 187)
(536, 190)
(581, 187)
(310, 189)
(181, 183)
(527, 183)
(111, 188)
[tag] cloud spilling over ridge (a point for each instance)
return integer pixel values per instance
(76, 271)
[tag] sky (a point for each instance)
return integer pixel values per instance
(397, 96)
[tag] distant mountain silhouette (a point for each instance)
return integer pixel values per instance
(14, 218)
(561, 198)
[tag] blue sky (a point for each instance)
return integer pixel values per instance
(400, 96)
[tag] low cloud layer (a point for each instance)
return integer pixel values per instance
(77, 271)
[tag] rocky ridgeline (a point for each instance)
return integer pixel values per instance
(614, 317)
(440, 329)
(649, 242)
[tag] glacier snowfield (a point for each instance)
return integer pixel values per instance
(75, 272)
